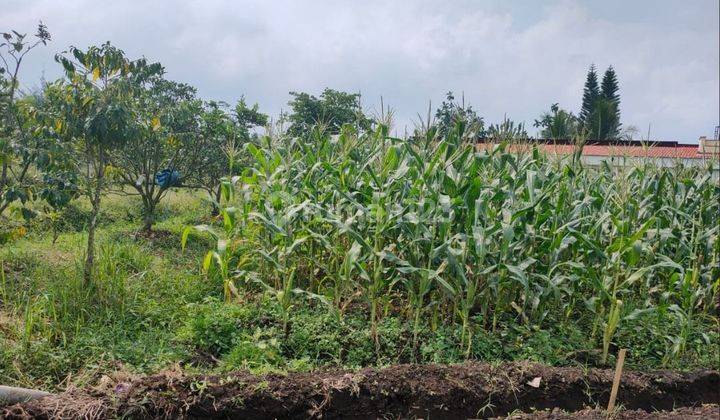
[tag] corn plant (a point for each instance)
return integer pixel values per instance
(434, 230)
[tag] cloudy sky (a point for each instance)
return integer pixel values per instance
(508, 58)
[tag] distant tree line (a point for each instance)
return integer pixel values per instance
(109, 124)
(112, 124)
(598, 119)
(599, 116)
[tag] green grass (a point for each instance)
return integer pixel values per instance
(51, 328)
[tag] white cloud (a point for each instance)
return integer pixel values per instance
(515, 59)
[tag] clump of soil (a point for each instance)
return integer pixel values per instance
(470, 390)
(154, 235)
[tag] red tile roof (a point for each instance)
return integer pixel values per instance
(685, 151)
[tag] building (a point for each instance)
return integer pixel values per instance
(628, 152)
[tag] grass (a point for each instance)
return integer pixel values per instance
(153, 307)
(51, 328)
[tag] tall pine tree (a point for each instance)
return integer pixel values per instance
(609, 92)
(590, 94)
(603, 123)
(609, 88)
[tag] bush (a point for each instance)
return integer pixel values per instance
(214, 327)
(317, 336)
(253, 352)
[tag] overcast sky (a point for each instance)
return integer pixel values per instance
(513, 58)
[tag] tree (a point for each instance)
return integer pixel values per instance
(451, 113)
(249, 117)
(97, 116)
(603, 123)
(168, 120)
(629, 133)
(220, 140)
(591, 93)
(58, 184)
(332, 109)
(557, 124)
(600, 111)
(609, 87)
(609, 92)
(18, 147)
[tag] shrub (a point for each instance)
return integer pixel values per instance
(215, 327)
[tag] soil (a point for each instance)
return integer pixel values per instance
(470, 390)
(154, 235)
(704, 412)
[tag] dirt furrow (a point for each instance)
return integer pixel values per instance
(469, 390)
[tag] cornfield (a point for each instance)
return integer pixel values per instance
(441, 233)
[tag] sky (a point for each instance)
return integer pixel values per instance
(510, 59)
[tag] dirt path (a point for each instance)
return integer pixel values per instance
(469, 390)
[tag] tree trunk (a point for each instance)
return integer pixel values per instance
(3, 176)
(3, 206)
(56, 232)
(3, 182)
(149, 216)
(90, 255)
(148, 223)
(216, 203)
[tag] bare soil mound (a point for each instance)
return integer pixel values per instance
(470, 390)
(705, 412)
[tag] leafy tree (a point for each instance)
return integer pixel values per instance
(220, 138)
(609, 92)
(451, 113)
(332, 109)
(19, 148)
(168, 120)
(58, 189)
(58, 184)
(248, 117)
(97, 116)
(591, 93)
(557, 124)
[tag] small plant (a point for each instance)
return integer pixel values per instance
(215, 327)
